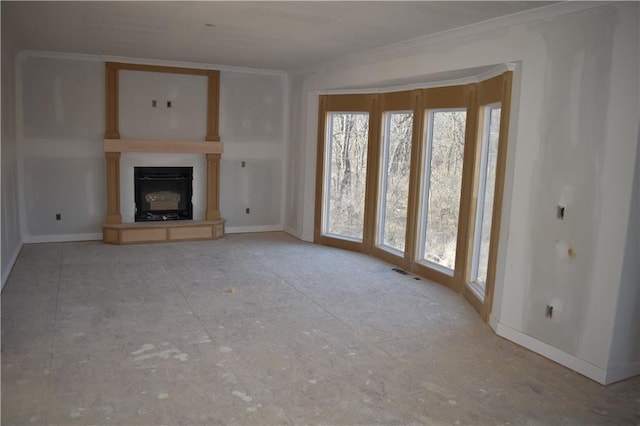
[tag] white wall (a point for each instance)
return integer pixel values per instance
(60, 131)
(61, 128)
(573, 141)
(10, 230)
(295, 185)
(625, 347)
(252, 123)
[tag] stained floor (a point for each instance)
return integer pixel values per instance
(265, 329)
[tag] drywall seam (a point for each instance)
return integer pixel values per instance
(19, 116)
(285, 147)
(527, 16)
(248, 229)
(145, 61)
(570, 361)
(12, 261)
(62, 238)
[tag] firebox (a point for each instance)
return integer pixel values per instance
(163, 193)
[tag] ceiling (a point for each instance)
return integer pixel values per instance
(270, 35)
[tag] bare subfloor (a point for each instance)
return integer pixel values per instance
(265, 329)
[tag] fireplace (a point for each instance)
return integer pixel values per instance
(163, 193)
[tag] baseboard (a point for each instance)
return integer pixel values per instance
(621, 373)
(63, 238)
(247, 229)
(570, 361)
(12, 261)
(292, 231)
(493, 322)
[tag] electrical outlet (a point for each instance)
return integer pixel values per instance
(247, 210)
(243, 163)
(154, 103)
(58, 216)
(548, 312)
(561, 212)
(168, 104)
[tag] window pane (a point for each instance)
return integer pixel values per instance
(443, 167)
(394, 188)
(346, 174)
(486, 189)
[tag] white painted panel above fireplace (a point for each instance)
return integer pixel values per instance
(130, 160)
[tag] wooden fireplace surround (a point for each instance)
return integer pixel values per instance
(116, 232)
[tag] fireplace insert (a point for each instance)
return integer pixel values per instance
(163, 193)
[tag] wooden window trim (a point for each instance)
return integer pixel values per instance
(347, 103)
(472, 97)
(396, 101)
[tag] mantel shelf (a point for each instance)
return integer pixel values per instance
(162, 146)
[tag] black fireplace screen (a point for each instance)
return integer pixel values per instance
(163, 193)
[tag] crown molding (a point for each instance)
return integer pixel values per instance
(23, 54)
(397, 49)
(493, 72)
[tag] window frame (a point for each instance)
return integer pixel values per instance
(469, 96)
(426, 190)
(385, 142)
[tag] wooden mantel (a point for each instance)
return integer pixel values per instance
(212, 227)
(162, 146)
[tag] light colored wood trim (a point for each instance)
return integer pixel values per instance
(387, 256)
(498, 196)
(111, 99)
(341, 243)
(491, 91)
(113, 146)
(433, 275)
(372, 179)
(146, 235)
(444, 97)
(469, 97)
(473, 300)
(213, 105)
(320, 156)
(440, 98)
(213, 187)
(396, 101)
(415, 179)
(475, 185)
(113, 187)
(162, 146)
(349, 103)
(112, 69)
(147, 232)
(158, 68)
(110, 236)
(466, 191)
(365, 103)
(389, 102)
(190, 233)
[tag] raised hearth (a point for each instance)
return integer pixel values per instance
(150, 232)
(161, 205)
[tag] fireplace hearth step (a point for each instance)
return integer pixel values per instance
(150, 232)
